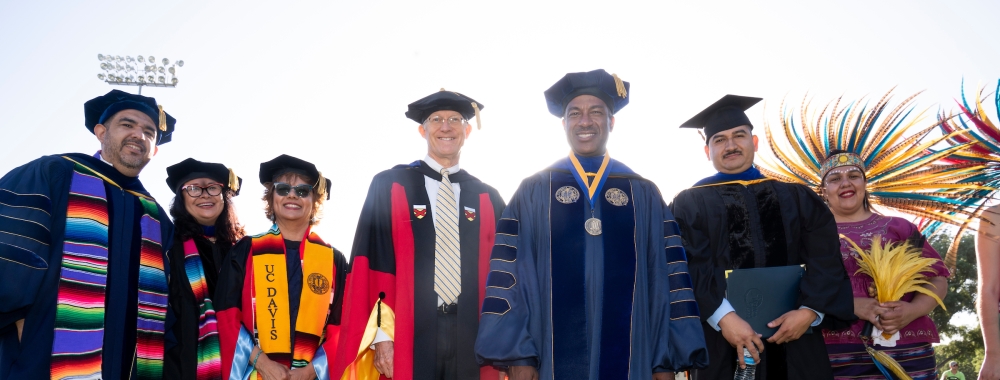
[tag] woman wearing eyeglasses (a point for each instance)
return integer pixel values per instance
(205, 229)
(280, 293)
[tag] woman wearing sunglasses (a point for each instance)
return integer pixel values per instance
(205, 229)
(280, 293)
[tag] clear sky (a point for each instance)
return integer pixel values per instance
(328, 81)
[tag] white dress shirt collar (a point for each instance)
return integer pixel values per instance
(437, 167)
(100, 154)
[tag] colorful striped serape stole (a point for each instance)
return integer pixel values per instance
(209, 357)
(77, 348)
(79, 325)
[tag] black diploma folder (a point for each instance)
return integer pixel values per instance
(761, 295)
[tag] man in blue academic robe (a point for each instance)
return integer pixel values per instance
(82, 248)
(588, 277)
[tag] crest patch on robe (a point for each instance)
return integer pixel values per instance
(616, 197)
(420, 211)
(567, 194)
(470, 213)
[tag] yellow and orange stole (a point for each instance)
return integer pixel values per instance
(270, 287)
(363, 367)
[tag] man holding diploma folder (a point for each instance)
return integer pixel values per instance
(739, 219)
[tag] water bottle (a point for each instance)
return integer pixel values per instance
(747, 373)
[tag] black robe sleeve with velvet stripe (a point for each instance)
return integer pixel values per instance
(826, 286)
(337, 307)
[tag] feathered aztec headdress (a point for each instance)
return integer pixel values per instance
(893, 148)
(982, 142)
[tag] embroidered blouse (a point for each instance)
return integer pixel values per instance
(893, 229)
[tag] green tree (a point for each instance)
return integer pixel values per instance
(965, 344)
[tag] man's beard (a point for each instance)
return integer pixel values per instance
(128, 161)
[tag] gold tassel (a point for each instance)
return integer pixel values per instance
(321, 184)
(889, 362)
(234, 181)
(620, 86)
(702, 135)
(479, 123)
(163, 119)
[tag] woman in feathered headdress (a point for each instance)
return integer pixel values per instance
(857, 157)
(906, 320)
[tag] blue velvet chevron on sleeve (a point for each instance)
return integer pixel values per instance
(686, 346)
(27, 211)
(24, 228)
(509, 306)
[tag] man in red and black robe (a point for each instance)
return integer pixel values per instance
(395, 323)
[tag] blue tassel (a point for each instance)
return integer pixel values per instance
(881, 368)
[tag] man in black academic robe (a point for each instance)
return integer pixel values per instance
(588, 278)
(739, 219)
(114, 219)
(395, 321)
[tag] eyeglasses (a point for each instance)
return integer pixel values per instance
(283, 189)
(438, 121)
(195, 191)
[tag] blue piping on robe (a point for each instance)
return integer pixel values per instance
(747, 175)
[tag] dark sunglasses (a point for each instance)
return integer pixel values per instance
(283, 189)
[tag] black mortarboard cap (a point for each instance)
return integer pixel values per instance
(287, 164)
(608, 87)
(726, 113)
(100, 109)
(418, 111)
(178, 174)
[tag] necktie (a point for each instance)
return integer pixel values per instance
(447, 260)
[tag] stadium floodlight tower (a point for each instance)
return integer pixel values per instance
(138, 71)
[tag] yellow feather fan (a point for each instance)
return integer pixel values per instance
(895, 268)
